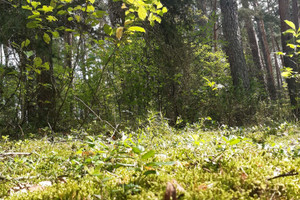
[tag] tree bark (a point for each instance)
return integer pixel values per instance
(46, 92)
(258, 71)
(233, 47)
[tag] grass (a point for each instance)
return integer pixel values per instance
(225, 163)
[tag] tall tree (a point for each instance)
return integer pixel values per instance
(266, 53)
(258, 71)
(233, 47)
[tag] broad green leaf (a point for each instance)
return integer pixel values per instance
(119, 32)
(37, 62)
(149, 154)
(164, 10)
(137, 28)
(92, 1)
(46, 38)
(292, 46)
(291, 24)
(107, 29)
(142, 12)
(291, 31)
(62, 12)
(46, 9)
(27, 7)
(25, 43)
(35, 4)
(70, 18)
(286, 74)
(159, 5)
(234, 141)
(28, 53)
(136, 150)
(51, 18)
(90, 8)
(55, 34)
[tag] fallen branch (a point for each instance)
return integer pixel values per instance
(291, 173)
(14, 154)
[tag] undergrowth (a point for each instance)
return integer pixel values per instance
(260, 162)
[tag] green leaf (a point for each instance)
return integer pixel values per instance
(142, 12)
(234, 141)
(27, 7)
(292, 46)
(136, 150)
(107, 29)
(146, 173)
(25, 43)
(159, 5)
(35, 4)
(62, 12)
(28, 53)
(37, 62)
(32, 24)
(51, 18)
(291, 24)
(46, 38)
(164, 10)
(55, 34)
(46, 9)
(149, 154)
(90, 8)
(137, 28)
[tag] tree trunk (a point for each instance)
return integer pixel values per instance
(215, 25)
(278, 73)
(233, 47)
(288, 62)
(258, 71)
(46, 92)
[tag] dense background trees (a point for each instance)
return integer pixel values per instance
(64, 64)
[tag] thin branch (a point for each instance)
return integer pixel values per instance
(291, 173)
(14, 154)
(98, 116)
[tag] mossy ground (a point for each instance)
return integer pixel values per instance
(227, 163)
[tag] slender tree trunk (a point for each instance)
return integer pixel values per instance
(215, 25)
(233, 47)
(295, 13)
(266, 53)
(46, 92)
(68, 37)
(288, 62)
(278, 73)
(258, 72)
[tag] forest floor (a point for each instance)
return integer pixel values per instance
(155, 162)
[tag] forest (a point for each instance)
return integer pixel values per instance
(149, 99)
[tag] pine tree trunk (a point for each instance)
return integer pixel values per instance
(233, 48)
(258, 71)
